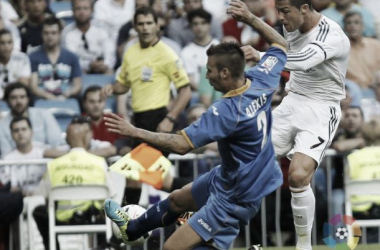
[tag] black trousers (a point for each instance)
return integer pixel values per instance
(149, 120)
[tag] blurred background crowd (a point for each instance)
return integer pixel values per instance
(55, 57)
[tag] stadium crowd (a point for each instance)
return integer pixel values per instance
(49, 60)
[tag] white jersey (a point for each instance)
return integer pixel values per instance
(318, 61)
(194, 57)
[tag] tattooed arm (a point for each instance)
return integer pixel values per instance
(169, 142)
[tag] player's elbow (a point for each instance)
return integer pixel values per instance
(183, 149)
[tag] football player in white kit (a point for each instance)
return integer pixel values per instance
(306, 120)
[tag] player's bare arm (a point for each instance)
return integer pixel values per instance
(169, 142)
(239, 11)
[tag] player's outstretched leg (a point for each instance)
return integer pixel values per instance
(303, 200)
(163, 213)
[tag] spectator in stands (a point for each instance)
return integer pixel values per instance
(25, 178)
(7, 12)
(113, 14)
(94, 107)
(31, 25)
(194, 53)
(14, 65)
(6, 24)
(364, 59)
(45, 127)
(350, 137)
(371, 107)
(320, 5)
(180, 31)
(56, 73)
(342, 7)
(244, 33)
(363, 165)
(89, 40)
(69, 170)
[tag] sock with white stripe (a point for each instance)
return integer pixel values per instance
(303, 206)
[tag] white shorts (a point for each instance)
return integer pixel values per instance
(304, 125)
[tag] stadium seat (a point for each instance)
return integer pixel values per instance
(63, 111)
(96, 79)
(93, 192)
(89, 80)
(66, 16)
(57, 7)
(360, 187)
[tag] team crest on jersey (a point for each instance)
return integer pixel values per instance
(268, 64)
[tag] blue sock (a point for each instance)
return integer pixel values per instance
(159, 215)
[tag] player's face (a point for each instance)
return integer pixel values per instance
(35, 8)
(82, 11)
(354, 27)
(190, 5)
(353, 121)
(51, 35)
(21, 133)
(289, 15)
(213, 74)
(200, 27)
(94, 105)
(18, 101)
(147, 29)
(6, 46)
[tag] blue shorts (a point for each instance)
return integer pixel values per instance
(218, 219)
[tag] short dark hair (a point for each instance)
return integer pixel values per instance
(52, 20)
(5, 32)
(20, 118)
(351, 14)
(199, 13)
(90, 89)
(358, 108)
(230, 56)
(145, 11)
(17, 85)
(299, 3)
(74, 1)
(81, 120)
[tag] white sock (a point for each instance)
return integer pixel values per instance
(303, 206)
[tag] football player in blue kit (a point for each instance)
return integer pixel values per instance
(240, 122)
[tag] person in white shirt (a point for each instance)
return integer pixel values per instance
(89, 40)
(14, 65)
(7, 11)
(6, 24)
(194, 53)
(114, 13)
(305, 122)
(26, 177)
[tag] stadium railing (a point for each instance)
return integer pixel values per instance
(176, 159)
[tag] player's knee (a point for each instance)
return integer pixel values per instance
(176, 202)
(298, 178)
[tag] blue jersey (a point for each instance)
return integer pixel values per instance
(241, 123)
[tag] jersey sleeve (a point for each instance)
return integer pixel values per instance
(218, 122)
(175, 70)
(268, 70)
(318, 51)
(122, 76)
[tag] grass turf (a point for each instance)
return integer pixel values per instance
(360, 247)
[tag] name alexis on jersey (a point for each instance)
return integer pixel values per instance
(255, 105)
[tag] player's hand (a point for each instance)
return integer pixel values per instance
(166, 126)
(239, 11)
(250, 53)
(107, 91)
(119, 126)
